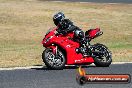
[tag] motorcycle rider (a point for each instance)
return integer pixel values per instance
(65, 26)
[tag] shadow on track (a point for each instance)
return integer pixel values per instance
(66, 67)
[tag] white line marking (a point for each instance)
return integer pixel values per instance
(121, 62)
(17, 68)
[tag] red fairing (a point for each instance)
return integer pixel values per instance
(92, 33)
(51, 33)
(66, 43)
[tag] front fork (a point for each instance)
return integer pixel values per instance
(54, 49)
(55, 52)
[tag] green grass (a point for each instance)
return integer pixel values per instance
(23, 24)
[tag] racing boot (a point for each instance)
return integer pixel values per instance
(83, 48)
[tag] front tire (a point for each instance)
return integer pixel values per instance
(102, 60)
(52, 61)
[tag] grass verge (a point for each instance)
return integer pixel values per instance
(23, 24)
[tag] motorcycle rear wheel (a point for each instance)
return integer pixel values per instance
(105, 59)
(53, 62)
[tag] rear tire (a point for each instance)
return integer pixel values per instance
(99, 61)
(51, 60)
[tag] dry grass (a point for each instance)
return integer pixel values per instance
(24, 22)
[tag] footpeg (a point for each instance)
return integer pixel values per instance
(80, 50)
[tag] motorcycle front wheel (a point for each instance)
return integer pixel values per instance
(104, 58)
(53, 61)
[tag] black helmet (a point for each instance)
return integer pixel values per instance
(58, 17)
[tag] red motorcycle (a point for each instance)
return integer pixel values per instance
(61, 50)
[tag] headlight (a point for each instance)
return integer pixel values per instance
(47, 40)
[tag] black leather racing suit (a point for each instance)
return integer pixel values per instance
(66, 26)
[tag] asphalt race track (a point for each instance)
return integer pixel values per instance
(66, 78)
(98, 1)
